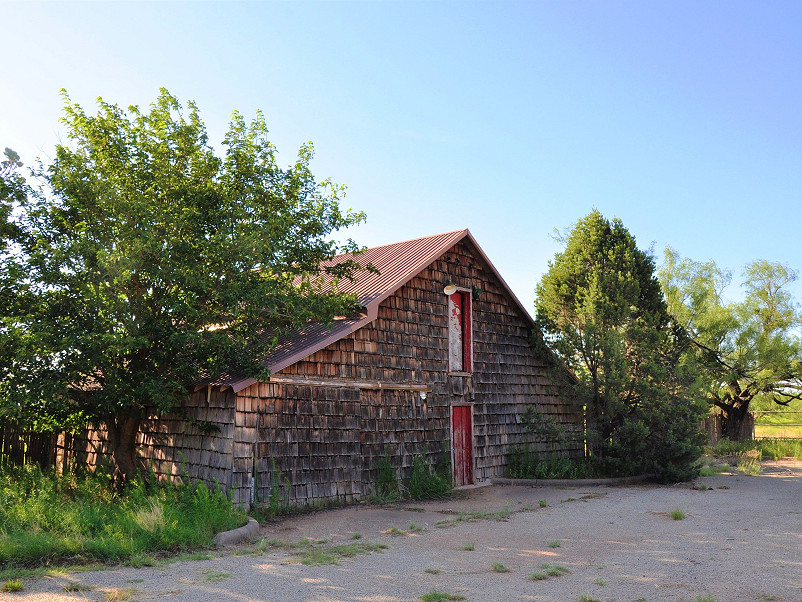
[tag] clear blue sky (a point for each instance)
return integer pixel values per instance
(684, 119)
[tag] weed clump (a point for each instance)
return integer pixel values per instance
(549, 570)
(13, 585)
(437, 596)
(387, 486)
(424, 482)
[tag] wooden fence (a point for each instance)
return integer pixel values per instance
(18, 446)
(713, 426)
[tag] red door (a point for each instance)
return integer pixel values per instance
(462, 444)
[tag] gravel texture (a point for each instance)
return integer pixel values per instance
(741, 539)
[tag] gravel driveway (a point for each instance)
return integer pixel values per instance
(740, 540)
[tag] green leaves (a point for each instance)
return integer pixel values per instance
(152, 262)
(744, 349)
(601, 311)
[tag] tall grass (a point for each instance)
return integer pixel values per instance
(425, 483)
(524, 463)
(781, 448)
(773, 449)
(46, 518)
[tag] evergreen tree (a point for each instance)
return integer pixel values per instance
(601, 311)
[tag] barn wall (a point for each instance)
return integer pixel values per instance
(170, 445)
(348, 429)
(316, 443)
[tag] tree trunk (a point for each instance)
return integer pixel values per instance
(122, 440)
(736, 424)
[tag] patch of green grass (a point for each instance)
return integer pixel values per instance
(776, 449)
(677, 514)
(600, 582)
(526, 463)
(120, 594)
(773, 449)
(79, 518)
(555, 570)
(194, 556)
(549, 570)
(356, 536)
(711, 470)
(215, 576)
(317, 556)
(587, 598)
(320, 552)
(13, 585)
(415, 528)
(554, 544)
(394, 531)
(437, 596)
(500, 568)
(767, 597)
(542, 503)
(317, 552)
(750, 467)
(433, 571)
(468, 547)
(501, 515)
(77, 586)
(705, 599)
(426, 483)
(778, 431)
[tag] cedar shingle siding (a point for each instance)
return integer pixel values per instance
(314, 442)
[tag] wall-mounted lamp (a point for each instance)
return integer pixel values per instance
(423, 395)
(450, 289)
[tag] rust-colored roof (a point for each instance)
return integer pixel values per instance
(397, 263)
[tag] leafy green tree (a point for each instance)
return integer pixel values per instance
(746, 350)
(151, 263)
(12, 289)
(601, 311)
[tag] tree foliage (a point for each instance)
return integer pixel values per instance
(149, 262)
(601, 311)
(746, 350)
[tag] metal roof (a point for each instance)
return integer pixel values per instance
(397, 263)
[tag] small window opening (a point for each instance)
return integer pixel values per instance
(459, 332)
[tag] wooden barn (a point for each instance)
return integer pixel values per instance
(439, 363)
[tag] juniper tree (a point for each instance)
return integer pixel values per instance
(601, 311)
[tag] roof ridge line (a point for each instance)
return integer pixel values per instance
(401, 242)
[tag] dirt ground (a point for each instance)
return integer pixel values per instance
(740, 539)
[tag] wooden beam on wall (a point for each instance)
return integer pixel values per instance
(349, 383)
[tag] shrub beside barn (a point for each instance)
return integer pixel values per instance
(438, 364)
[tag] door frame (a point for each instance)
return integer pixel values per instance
(471, 439)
